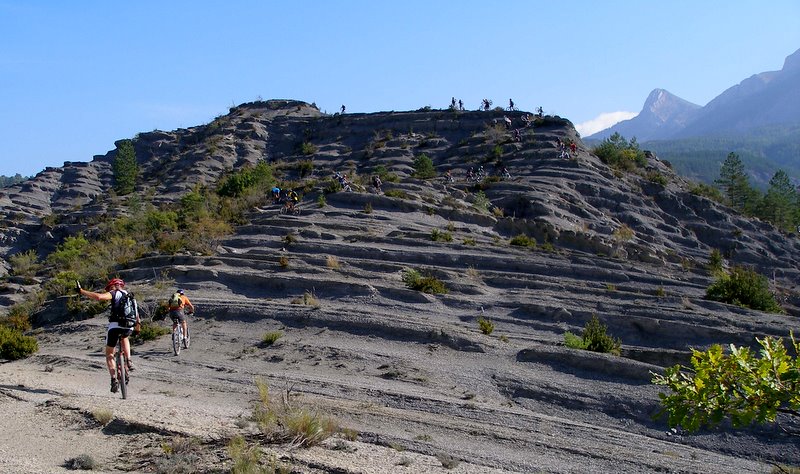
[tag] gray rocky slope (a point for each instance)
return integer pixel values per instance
(411, 370)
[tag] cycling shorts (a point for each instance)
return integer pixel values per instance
(115, 333)
(177, 316)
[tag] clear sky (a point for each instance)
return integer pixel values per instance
(75, 76)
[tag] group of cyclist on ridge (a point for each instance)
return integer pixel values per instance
(119, 328)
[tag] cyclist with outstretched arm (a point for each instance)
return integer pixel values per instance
(115, 332)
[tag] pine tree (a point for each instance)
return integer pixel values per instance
(779, 204)
(126, 170)
(734, 183)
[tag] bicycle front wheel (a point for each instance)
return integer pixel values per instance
(186, 339)
(122, 374)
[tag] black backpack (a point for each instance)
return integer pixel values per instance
(123, 310)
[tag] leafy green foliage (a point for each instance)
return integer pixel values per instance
(481, 202)
(271, 337)
(149, 332)
(486, 326)
(426, 284)
(397, 193)
(258, 178)
(744, 287)
(385, 175)
(441, 236)
(25, 264)
(523, 240)
(594, 338)
(126, 170)
(308, 148)
(305, 167)
(619, 153)
(423, 167)
(708, 191)
(14, 345)
(715, 261)
(739, 386)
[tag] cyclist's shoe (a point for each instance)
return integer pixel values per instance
(114, 386)
(130, 366)
(127, 379)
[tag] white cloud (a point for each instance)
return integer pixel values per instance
(602, 122)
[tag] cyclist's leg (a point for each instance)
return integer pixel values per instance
(111, 345)
(126, 349)
(184, 324)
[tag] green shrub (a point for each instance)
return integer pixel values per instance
(708, 191)
(238, 183)
(573, 341)
(25, 264)
(368, 208)
(321, 201)
(496, 152)
(246, 459)
(14, 345)
(657, 178)
(423, 167)
(594, 338)
(305, 167)
(441, 236)
(282, 422)
(744, 287)
(397, 193)
(426, 284)
(523, 240)
(620, 154)
(308, 148)
(715, 261)
(486, 326)
(271, 337)
(481, 202)
(149, 332)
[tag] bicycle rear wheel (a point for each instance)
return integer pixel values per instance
(122, 373)
(176, 340)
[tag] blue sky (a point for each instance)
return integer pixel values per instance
(76, 76)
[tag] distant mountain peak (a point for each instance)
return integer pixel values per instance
(665, 107)
(662, 114)
(792, 61)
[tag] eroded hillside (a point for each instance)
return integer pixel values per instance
(412, 370)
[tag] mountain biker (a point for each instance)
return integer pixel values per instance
(376, 182)
(292, 199)
(511, 105)
(176, 312)
(114, 293)
(276, 195)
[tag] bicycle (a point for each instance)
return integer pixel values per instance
(290, 208)
(178, 339)
(122, 370)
